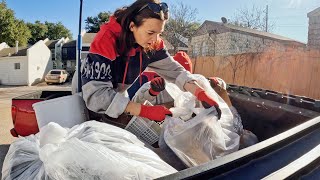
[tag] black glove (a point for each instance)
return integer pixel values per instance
(157, 85)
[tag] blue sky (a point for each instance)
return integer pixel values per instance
(290, 16)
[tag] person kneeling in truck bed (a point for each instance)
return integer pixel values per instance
(122, 49)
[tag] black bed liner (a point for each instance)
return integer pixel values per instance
(288, 130)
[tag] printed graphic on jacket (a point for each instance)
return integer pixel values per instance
(99, 68)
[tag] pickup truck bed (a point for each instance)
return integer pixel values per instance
(23, 115)
(288, 131)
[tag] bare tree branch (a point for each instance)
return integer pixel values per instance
(182, 23)
(254, 18)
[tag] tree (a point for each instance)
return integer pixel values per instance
(242, 52)
(57, 31)
(38, 31)
(93, 23)
(12, 29)
(182, 23)
(254, 18)
(21, 32)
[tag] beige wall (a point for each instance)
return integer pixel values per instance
(288, 70)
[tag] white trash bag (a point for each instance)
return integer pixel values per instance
(201, 138)
(22, 161)
(92, 150)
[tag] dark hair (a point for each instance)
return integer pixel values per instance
(129, 14)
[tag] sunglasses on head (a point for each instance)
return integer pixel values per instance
(156, 8)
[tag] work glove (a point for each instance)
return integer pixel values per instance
(217, 82)
(156, 113)
(157, 85)
(207, 101)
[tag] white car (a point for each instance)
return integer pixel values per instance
(56, 76)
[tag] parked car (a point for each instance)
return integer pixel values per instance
(57, 76)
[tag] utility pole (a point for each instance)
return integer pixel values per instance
(79, 48)
(267, 18)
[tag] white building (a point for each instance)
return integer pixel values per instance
(55, 46)
(3, 45)
(24, 66)
(70, 53)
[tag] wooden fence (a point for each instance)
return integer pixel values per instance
(294, 71)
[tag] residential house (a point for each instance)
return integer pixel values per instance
(69, 51)
(180, 41)
(4, 45)
(51, 45)
(169, 46)
(314, 29)
(87, 38)
(215, 38)
(24, 65)
(55, 47)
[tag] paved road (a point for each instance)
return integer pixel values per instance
(6, 94)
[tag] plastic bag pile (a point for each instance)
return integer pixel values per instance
(92, 150)
(201, 138)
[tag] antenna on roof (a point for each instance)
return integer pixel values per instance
(224, 20)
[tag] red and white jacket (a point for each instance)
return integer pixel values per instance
(106, 75)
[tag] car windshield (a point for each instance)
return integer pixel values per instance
(55, 72)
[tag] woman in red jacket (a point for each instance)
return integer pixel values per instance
(121, 50)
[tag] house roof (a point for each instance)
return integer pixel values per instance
(315, 12)
(167, 43)
(217, 27)
(72, 43)
(88, 37)
(257, 32)
(180, 43)
(51, 43)
(211, 26)
(22, 51)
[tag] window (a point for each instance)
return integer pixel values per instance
(16, 65)
(53, 54)
(55, 72)
(64, 53)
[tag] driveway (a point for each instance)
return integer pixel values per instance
(6, 94)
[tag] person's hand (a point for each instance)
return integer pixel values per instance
(157, 85)
(156, 113)
(216, 82)
(220, 87)
(207, 101)
(213, 81)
